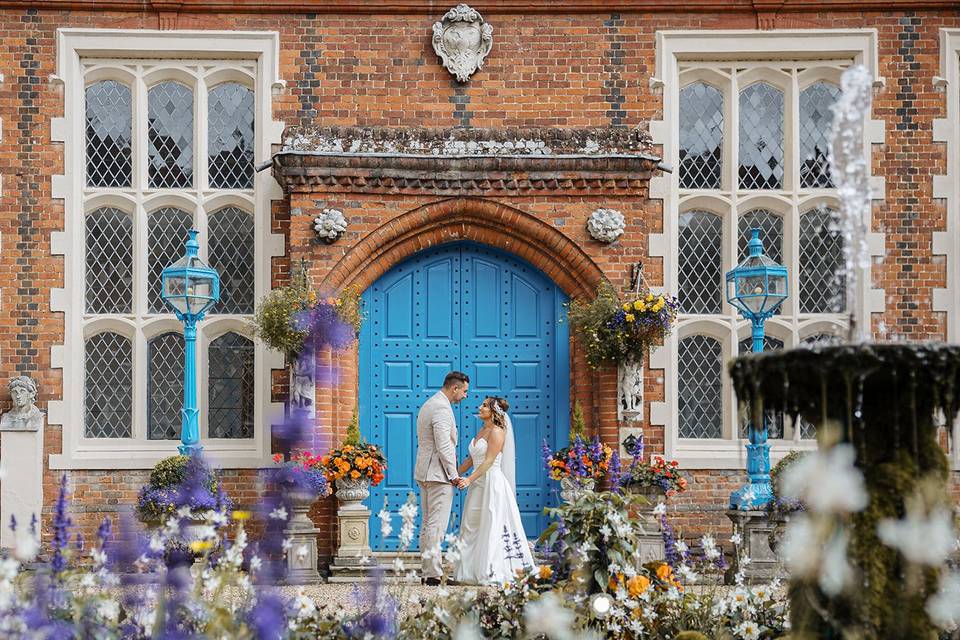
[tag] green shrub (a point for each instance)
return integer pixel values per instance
(169, 472)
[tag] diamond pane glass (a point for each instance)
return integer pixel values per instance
(170, 117)
(109, 261)
(816, 120)
(808, 430)
(822, 283)
(167, 236)
(773, 417)
(771, 234)
(701, 136)
(165, 387)
(701, 262)
(700, 387)
(231, 254)
(761, 137)
(108, 387)
(109, 161)
(231, 387)
(230, 136)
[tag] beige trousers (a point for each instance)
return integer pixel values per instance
(436, 499)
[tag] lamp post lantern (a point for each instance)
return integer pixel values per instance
(191, 288)
(756, 287)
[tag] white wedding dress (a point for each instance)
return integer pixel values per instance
(491, 507)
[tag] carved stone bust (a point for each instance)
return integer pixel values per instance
(462, 40)
(25, 416)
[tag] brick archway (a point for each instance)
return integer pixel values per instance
(483, 221)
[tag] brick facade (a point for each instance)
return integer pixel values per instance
(575, 69)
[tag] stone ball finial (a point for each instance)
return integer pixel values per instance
(330, 225)
(606, 225)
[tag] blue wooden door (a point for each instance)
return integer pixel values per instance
(472, 308)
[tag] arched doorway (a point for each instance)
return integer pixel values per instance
(483, 311)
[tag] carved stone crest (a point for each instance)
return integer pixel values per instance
(462, 40)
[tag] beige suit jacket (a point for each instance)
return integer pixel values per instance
(436, 441)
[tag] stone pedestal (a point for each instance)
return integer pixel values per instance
(302, 556)
(21, 490)
(354, 561)
(652, 547)
(755, 529)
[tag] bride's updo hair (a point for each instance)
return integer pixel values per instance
(497, 415)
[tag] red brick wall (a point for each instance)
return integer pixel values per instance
(563, 70)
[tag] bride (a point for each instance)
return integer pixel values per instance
(492, 541)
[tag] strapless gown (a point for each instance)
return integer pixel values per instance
(489, 510)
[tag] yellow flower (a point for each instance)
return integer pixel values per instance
(626, 306)
(649, 297)
(629, 317)
(201, 545)
(638, 305)
(664, 571)
(240, 516)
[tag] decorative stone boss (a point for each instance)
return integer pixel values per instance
(462, 40)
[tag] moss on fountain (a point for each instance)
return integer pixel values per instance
(883, 398)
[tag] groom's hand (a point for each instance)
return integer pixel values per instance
(456, 481)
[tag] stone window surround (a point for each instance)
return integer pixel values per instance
(715, 47)
(139, 453)
(947, 187)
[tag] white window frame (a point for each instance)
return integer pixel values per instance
(714, 48)
(260, 52)
(947, 243)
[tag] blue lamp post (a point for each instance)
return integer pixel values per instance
(190, 287)
(756, 287)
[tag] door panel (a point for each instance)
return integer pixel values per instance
(487, 313)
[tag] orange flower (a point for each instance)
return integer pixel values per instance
(545, 572)
(664, 571)
(354, 474)
(637, 585)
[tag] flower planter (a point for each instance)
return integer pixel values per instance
(303, 552)
(572, 488)
(352, 492)
(653, 495)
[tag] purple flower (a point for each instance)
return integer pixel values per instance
(614, 472)
(547, 454)
(673, 557)
(61, 529)
(575, 462)
(292, 476)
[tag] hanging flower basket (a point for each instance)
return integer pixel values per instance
(614, 331)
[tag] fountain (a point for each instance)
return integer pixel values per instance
(883, 400)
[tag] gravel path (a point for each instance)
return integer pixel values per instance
(345, 594)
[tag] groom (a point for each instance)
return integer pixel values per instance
(436, 468)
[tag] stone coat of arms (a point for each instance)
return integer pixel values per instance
(462, 40)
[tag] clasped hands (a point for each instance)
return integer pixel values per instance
(460, 482)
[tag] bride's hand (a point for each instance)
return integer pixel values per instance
(463, 483)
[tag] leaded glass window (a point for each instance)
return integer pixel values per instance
(701, 262)
(165, 386)
(701, 136)
(170, 130)
(166, 237)
(771, 233)
(822, 284)
(773, 417)
(761, 137)
(230, 119)
(108, 386)
(816, 121)
(231, 384)
(109, 161)
(808, 430)
(231, 254)
(109, 261)
(700, 387)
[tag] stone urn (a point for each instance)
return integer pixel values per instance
(352, 492)
(652, 496)
(572, 488)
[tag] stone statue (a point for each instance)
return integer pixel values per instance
(25, 416)
(630, 391)
(304, 388)
(462, 40)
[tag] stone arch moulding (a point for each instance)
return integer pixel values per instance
(484, 221)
